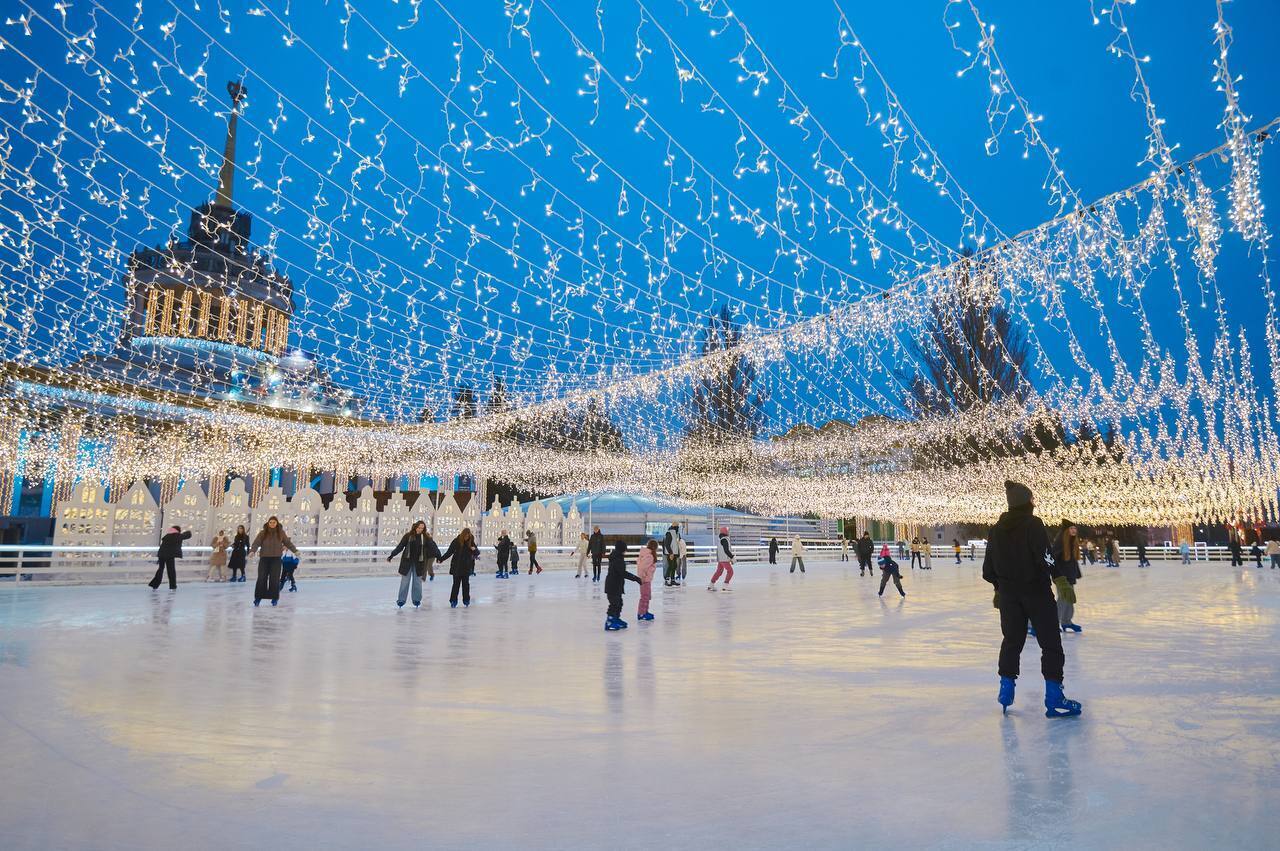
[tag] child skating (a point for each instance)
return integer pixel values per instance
(724, 560)
(613, 586)
(646, 567)
(889, 570)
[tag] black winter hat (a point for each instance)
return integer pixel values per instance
(1016, 494)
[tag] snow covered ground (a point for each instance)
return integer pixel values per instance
(799, 711)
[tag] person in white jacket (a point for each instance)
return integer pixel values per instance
(682, 553)
(724, 560)
(582, 552)
(797, 554)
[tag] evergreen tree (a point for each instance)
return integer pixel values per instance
(726, 404)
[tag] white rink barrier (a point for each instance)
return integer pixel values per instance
(78, 565)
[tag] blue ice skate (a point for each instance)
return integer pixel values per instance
(453, 604)
(1073, 627)
(611, 623)
(1056, 704)
(647, 616)
(1007, 685)
(620, 622)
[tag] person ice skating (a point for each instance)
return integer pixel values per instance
(415, 547)
(1067, 558)
(865, 548)
(613, 586)
(1089, 552)
(218, 558)
(1016, 567)
(916, 555)
(844, 548)
(927, 549)
(682, 557)
(596, 545)
(1184, 549)
(239, 553)
(1233, 544)
(514, 571)
(955, 545)
(773, 551)
(288, 571)
(170, 549)
(724, 560)
(502, 550)
(671, 552)
(462, 555)
(797, 554)
(1143, 561)
(531, 544)
(646, 567)
(1273, 553)
(889, 570)
(1256, 552)
(270, 544)
(583, 550)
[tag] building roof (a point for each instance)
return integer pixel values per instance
(631, 503)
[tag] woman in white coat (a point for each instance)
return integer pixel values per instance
(797, 554)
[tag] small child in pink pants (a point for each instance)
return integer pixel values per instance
(724, 561)
(646, 565)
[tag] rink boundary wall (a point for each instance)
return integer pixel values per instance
(97, 565)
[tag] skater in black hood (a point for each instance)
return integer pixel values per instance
(1015, 564)
(864, 548)
(596, 547)
(613, 585)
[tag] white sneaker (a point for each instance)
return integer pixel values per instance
(711, 587)
(726, 588)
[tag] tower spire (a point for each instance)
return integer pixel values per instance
(227, 174)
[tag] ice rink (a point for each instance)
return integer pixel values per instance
(799, 711)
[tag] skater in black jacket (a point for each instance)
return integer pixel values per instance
(463, 553)
(170, 549)
(1015, 564)
(503, 551)
(239, 553)
(864, 548)
(613, 586)
(773, 551)
(596, 547)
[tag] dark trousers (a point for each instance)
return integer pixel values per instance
(502, 565)
(595, 567)
(1236, 561)
(268, 587)
(916, 557)
(672, 570)
(864, 563)
(897, 580)
(287, 575)
(166, 564)
(533, 562)
(463, 581)
(1040, 608)
(615, 603)
(773, 558)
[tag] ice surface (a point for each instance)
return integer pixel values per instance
(795, 712)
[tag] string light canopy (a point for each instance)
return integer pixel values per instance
(595, 251)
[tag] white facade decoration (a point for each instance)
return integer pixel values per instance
(189, 509)
(305, 509)
(536, 521)
(572, 527)
(233, 512)
(448, 521)
(396, 519)
(492, 526)
(337, 523)
(365, 517)
(85, 518)
(272, 504)
(515, 520)
(135, 520)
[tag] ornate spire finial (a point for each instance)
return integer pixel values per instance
(227, 174)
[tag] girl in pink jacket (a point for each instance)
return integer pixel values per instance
(646, 565)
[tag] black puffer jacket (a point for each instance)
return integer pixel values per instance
(463, 557)
(864, 547)
(1016, 548)
(171, 544)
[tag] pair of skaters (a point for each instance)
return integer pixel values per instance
(646, 567)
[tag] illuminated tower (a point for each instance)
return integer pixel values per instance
(212, 292)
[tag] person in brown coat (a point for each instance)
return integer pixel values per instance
(270, 545)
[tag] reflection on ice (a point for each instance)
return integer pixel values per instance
(798, 710)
